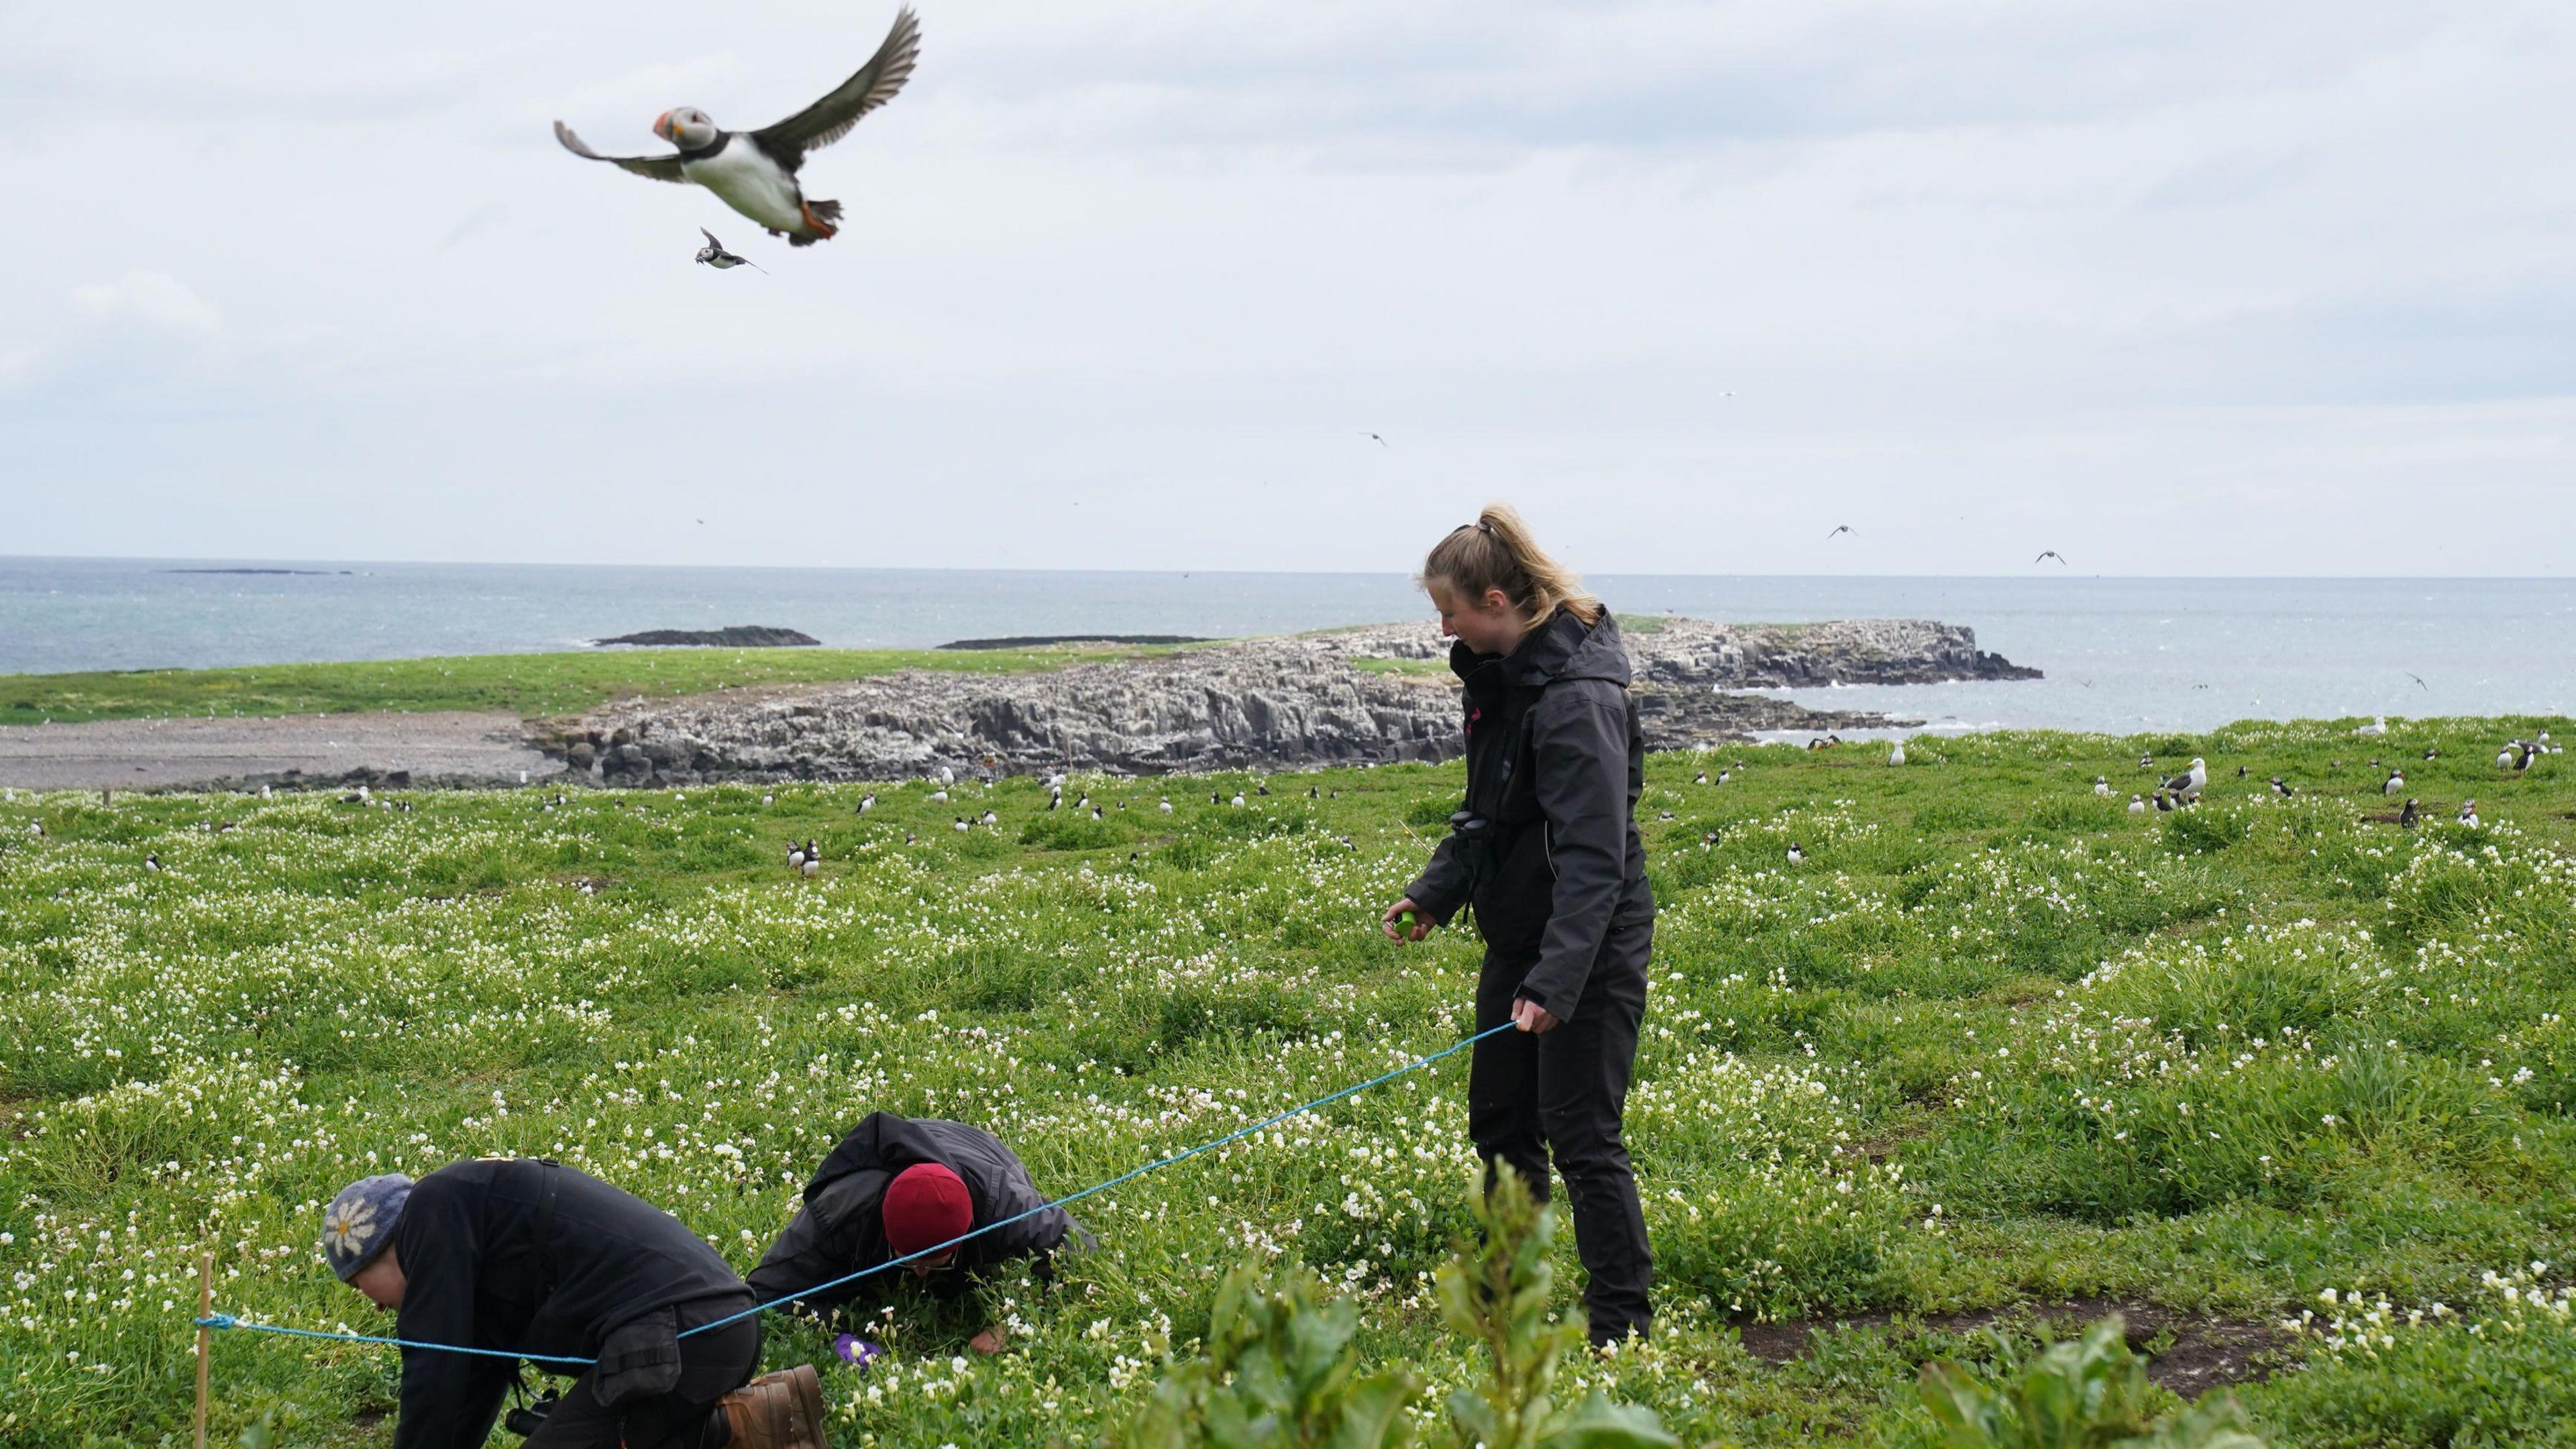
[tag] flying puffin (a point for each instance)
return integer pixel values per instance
(754, 172)
(714, 255)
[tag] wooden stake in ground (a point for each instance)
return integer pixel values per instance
(205, 1335)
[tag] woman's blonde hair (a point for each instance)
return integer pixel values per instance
(1497, 552)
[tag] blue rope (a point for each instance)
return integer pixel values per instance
(226, 1320)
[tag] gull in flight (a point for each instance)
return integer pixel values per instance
(2046, 555)
(1845, 528)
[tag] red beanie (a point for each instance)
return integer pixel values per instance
(926, 1205)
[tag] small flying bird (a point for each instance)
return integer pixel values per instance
(713, 254)
(1839, 531)
(754, 172)
(2047, 554)
(2468, 812)
(1381, 442)
(2406, 817)
(2419, 680)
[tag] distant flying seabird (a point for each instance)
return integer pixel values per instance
(1846, 528)
(1381, 442)
(2047, 554)
(754, 172)
(714, 255)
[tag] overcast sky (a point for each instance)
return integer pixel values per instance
(2179, 286)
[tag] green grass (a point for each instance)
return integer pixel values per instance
(1995, 1041)
(530, 685)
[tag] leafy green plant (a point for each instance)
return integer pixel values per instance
(1497, 1292)
(1279, 1371)
(2079, 1393)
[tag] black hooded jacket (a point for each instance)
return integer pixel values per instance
(489, 1262)
(841, 1228)
(1556, 759)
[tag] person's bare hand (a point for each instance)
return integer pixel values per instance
(989, 1341)
(1531, 1017)
(1393, 925)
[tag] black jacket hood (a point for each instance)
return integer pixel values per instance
(1562, 648)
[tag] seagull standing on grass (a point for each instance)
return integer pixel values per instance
(754, 172)
(1896, 756)
(2377, 726)
(2187, 785)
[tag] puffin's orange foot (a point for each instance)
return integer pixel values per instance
(822, 229)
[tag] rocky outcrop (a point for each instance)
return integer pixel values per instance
(732, 636)
(1372, 695)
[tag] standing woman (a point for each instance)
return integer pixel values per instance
(1547, 851)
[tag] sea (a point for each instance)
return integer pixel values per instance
(2121, 655)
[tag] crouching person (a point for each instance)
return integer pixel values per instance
(529, 1256)
(899, 1185)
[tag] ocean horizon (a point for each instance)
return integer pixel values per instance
(2120, 654)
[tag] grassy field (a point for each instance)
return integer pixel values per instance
(2275, 1068)
(531, 685)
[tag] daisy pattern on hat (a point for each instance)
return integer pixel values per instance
(353, 1226)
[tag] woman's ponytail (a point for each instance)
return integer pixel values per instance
(1497, 552)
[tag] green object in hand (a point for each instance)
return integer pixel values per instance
(1405, 920)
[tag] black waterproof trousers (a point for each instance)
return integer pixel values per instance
(712, 1365)
(1563, 1092)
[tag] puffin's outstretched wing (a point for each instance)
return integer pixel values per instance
(831, 118)
(660, 168)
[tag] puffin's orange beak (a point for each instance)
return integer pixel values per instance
(662, 125)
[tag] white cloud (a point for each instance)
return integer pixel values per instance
(156, 298)
(1962, 266)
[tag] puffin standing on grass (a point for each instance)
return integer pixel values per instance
(754, 172)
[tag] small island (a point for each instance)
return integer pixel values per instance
(732, 636)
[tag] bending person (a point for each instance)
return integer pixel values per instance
(1546, 849)
(530, 1256)
(899, 1185)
